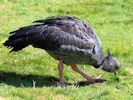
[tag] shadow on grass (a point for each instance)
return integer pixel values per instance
(19, 80)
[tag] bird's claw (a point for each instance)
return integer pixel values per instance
(96, 80)
(61, 83)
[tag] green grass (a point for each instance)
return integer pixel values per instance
(32, 74)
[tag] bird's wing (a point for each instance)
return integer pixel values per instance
(52, 37)
(71, 25)
(68, 31)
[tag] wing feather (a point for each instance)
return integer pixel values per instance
(52, 37)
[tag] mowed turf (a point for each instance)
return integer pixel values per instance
(31, 74)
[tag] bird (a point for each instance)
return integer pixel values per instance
(69, 40)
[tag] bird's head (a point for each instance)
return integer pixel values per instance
(110, 63)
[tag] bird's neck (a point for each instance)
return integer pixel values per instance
(100, 65)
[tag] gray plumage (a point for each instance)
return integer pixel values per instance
(67, 38)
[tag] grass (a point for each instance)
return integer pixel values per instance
(31, 74)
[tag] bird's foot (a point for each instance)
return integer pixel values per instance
(95, 80)
(61, 83)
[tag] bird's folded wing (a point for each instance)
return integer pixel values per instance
(52, 37)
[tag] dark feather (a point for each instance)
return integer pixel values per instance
(59, 34)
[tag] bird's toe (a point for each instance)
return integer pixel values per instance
(95, 80)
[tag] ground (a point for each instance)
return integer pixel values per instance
(31, 74)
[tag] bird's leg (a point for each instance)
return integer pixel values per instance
(60, 67)
(89, 78)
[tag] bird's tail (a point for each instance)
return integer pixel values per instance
(18, 39)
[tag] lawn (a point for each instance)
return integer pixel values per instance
(31, 74)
